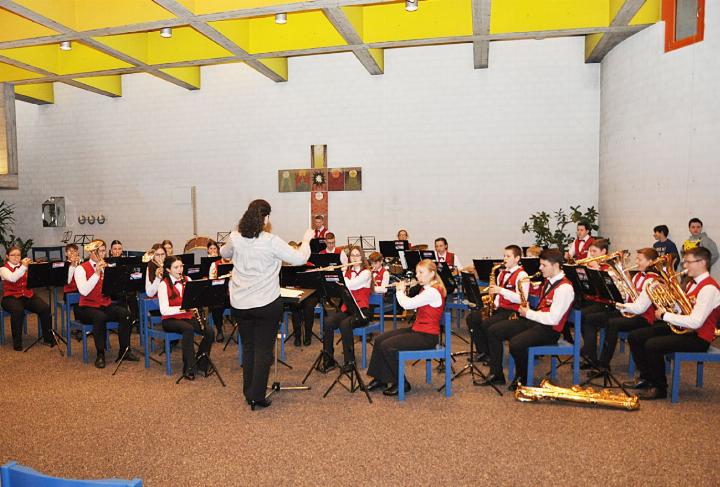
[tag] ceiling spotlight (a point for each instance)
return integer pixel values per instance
(281, 18)
(66, 45)
(166, 32)
(411, 5)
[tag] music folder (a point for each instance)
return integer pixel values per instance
(205, 292)
(205, 263)
(317, 245)
(324, 260)
(471, 289)
(47, 274)
(295, 276)
(484, 266)
(530, 264)
(447, 278)
(390, 248)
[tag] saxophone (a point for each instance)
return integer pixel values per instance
(519, 285)
(577, 394)
(488, 299)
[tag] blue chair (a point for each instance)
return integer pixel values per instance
(14, 475)
(376, 300)
(712, 355)
(442, 351)
(152, 333)
(73, 299)
(4, 314)
(561, 348)
(459, 307)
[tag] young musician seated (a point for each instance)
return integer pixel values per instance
(443, 255)
(380, 275)
(97, 309)
(217, 311)
(403, 235)
(506, 300)
(72, 256)
(332, 249)
(649, 344)
(642, 308)
(17, 298)
(154, 272)
(541, 326)
(423, 334)
(319, 226)
(177, 320)
(168, 246)
(116, 248)
(595, 312)
(580, 246)
(358, 280)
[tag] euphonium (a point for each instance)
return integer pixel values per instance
(488, 300)
(666, 291)
(621, 277)
(577, 394)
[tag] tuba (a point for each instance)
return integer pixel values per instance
(666, 291)
(576, 394)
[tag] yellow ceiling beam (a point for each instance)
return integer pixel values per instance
(379, 56)
(190, 74)
(13, 73)
(39, 94)
(186, 44)
(14, 27)
(238, 31)
(83, 59)
(531, 15)
(46, 57)
(591, 42)
(434, 18)
(279, 65)
(134, 45)
(356, 18)
(61, 11)
(199, 7)
(109, 85)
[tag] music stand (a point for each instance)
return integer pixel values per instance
(297, 277)
(390, 248)
(66, 236)
(81, 239)
(483, 268)
(324, 260)
(365, 242)
(205, 263)
(317, 245)
(47, 274)
(221, 237)
(197, 295)
(531, 265)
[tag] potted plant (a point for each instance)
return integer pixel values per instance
(7, 238)
(550, 230)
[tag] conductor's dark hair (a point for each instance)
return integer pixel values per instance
(662, 229)
(253, 221)
(554, 256)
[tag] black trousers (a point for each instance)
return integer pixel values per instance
(217, 316)
(345, 322)
(98, 318)
(188, 328)
(522, 334)
(384, 360)
(258, 328)
(17, 306)
(649, 345)
(592, 322)
(304, 314)
(615, 326)
(479, 328)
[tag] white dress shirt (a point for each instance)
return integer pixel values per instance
(456, 259)
(358, 281)
(256, 265)
(512, 296)
(563, 298)
(71, 272)
(13, 276)
(382, 288)
(151, 287)
(707, 300)
(571, 250)
(85, 285)
(429, 296)
(642, 303)
(164, 297)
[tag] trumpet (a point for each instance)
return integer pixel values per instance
(148, 256)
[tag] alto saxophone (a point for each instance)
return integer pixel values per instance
(576, 394)
(488, 299)
(519, 289)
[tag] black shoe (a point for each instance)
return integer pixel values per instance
(348, 367)
(392, 389)
(260, 404)
(375, 384)
(100, 361)
(652, 393)
(129, 356)
(220, 336)
(17, 347)
(296, 340)
(307, 340)
(637, 384)
(327, 365)
(514, 385)
(491, 380)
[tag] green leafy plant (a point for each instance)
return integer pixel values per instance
(549, 230)
(7, 238)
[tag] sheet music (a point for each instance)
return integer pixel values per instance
(290, 293)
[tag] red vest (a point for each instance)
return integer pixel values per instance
(511, 284)
(449, 258)
(378, 276)
(17, 289)
(581, 254)
(336, 250)
(362, 295)
(707, 329)
(547, 300)
(72, 286)
(427, 318)
(320, 233)
(95, 299)
(176, 301)
(639, 281)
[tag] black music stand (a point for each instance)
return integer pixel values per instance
(205, 263)
(365, 242)
(390, 248)
(350, 370)
(81, 240)
(197, 295)
(317, 245)
(47, 274)
(483, 268)
(221, 237)
(324, 260)
(297, 277)
(67, 236)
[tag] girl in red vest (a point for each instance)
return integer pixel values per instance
(423, 334)
(541, 326)
(17, 298)
(650, 344)
(358, 280)
(217, 311)
(72, 255)
(177, 320)
(97, 309)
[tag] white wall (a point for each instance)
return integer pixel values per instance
(445, 149)
(660, 136)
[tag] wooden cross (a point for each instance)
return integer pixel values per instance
(319, 180)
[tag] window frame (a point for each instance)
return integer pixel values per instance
(669, 16)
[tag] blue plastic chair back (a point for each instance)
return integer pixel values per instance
(14, 475)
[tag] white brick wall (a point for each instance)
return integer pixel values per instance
(660, 136)
(446, 149)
